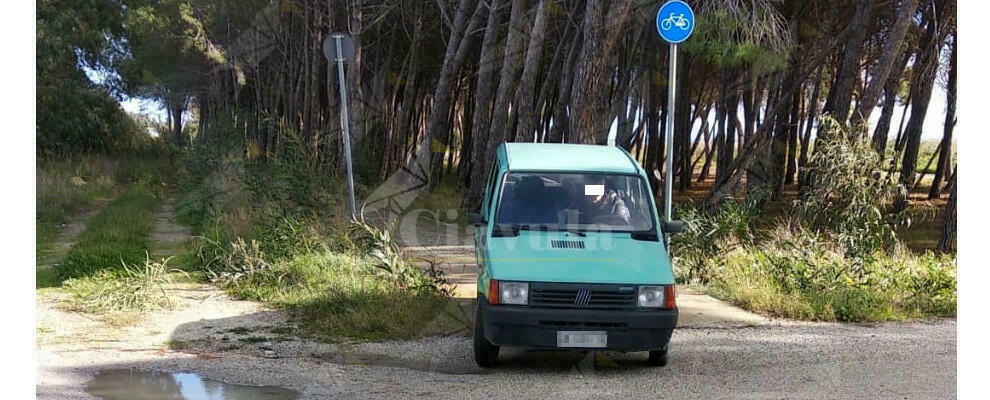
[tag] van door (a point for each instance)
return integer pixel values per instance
(481, 232)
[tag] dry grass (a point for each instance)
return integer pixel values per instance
(119, 293)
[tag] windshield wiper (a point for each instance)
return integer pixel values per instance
(510, 230)
(577, 232)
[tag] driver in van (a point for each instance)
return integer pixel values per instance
(600, 204)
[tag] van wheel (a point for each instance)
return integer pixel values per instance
(485, 353)
(658, 358)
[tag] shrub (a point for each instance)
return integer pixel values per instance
(710, 232)
(129, 288)
(345, 295)
(848, 194)
(380, 245)
(227, 267)
(800, 274)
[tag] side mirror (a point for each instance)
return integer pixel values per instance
(476, 219)
(673, 226)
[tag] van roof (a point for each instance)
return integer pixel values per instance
(568, 157)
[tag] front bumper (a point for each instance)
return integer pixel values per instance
(532, 327)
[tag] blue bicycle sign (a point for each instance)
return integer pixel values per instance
(675, 21)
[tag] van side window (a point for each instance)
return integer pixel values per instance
(489, 188)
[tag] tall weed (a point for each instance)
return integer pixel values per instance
(847, 193)
(128, 288)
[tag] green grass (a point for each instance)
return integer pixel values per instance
(137, 288)
(833, 256)
(825, 287)
(116, 237)
(334, 295)
(791, 272)
(63, 187)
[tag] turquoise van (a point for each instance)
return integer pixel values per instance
(571, 254)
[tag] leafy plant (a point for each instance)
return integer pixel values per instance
(129, 288)
(848, 194)
(797, 273)
(711, 232)
(381, 246)
(227, 267)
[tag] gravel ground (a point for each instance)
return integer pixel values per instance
(901, 360)
(244, 343)
(895, 360)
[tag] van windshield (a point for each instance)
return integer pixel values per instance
(575, 202)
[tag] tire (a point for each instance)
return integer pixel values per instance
(485, 353)
(658, 358)
(665, 24)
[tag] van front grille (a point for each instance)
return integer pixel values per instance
(583, 296)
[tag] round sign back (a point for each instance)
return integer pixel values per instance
(675, 21)
(346, 44)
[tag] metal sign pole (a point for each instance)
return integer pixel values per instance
(345, 126)
(668, 182)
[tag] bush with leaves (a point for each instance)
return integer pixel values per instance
(798, 273)
(129, 288)
(708, 233)
(380, 245)
(847, 194)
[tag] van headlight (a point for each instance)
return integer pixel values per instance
(513, 293)
(651, 296)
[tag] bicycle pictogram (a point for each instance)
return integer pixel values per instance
(677, 20)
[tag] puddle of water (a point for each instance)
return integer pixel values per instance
(128, 384)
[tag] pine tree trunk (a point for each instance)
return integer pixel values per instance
(534, 52)
(683, 122)
(592, 77)
(792, 139)
(921, 91)
(891, 53)
(840, 97)
(781, 138)
(438, 125)
(892, 86)
(945, 155)
(947, 241)
(499, 129)
(723, 148)
(482, 109)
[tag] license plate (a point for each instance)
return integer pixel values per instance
(594, 339)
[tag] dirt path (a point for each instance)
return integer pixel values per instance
(167, 237)
(57, 250)
(73, 346)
